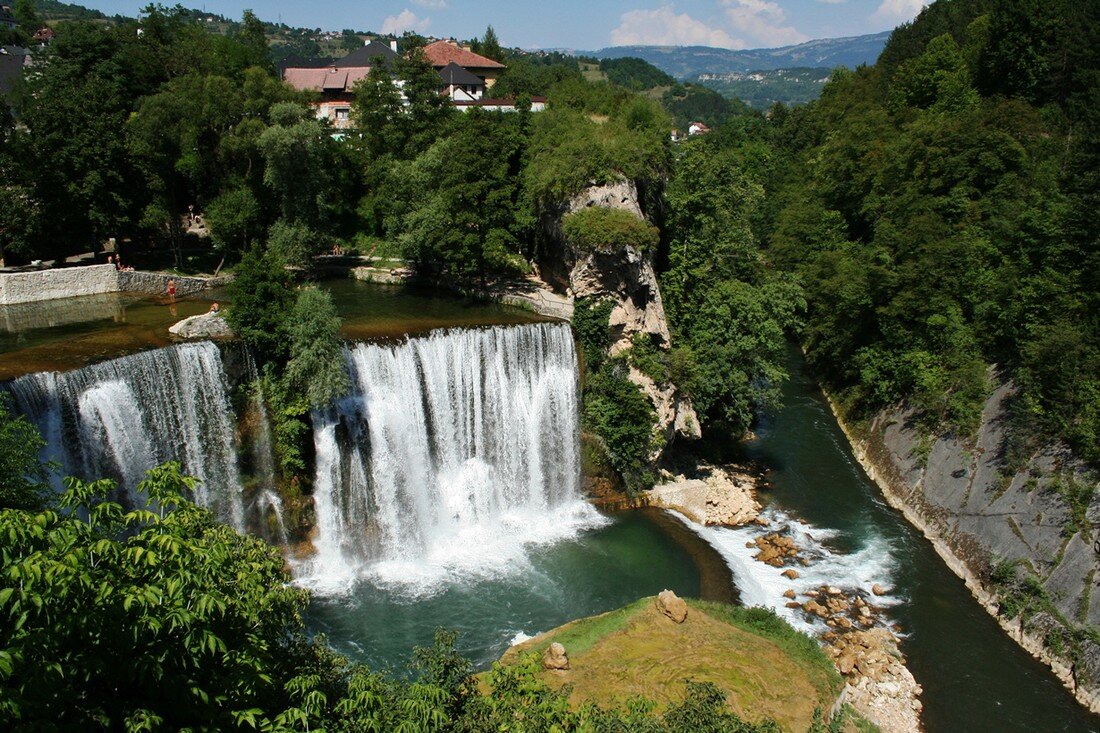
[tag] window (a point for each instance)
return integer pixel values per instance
(342, 113)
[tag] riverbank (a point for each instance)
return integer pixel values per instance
(897, 493)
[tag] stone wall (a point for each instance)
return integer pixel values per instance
(71, 282)
(28, 287)
(156, 283)
(956, 492)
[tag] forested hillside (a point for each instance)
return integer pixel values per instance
(939, 209)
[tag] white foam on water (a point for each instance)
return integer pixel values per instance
(453, 456)
(519, 638)
(763, 585)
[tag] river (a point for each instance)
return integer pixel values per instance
(975, 678)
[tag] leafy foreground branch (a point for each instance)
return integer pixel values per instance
(162, 619)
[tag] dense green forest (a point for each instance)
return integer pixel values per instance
(940, 212)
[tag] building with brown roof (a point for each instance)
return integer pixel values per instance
(442, 53)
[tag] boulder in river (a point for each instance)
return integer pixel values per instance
(204, 326)
(672, 606)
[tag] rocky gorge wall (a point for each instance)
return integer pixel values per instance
(976, 513)
(627, 277)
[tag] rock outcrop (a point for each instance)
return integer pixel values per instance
(628, 278)
(204, 326)
(720, 496)
(959, 494)
(672, 606)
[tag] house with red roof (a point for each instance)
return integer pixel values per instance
(464, 77)
(334, 80)
(441, 54)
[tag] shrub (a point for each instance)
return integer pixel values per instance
(24, 479)
(262, 298)
(316, 364)
(590, 322)
(598, 228)
(617, 412)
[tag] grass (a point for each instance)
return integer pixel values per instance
(579, 636)
(767, 669)
(798, 646)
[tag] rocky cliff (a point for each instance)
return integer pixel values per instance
(982, 516)
(628, 278)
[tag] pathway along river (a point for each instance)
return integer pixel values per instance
(975, 678)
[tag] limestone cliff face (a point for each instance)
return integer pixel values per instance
(957, 494)
(627, 277)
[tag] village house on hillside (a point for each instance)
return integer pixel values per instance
(442, 54)
(335, 79)
(464, 77)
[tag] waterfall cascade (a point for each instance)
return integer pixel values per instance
(451, 453)
(122, 417)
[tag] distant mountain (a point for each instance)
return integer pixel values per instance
(762, 89)
(686, 62)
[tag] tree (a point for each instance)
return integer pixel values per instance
(158, 617)
(233, 218)
(316, 364)
(24, 478)
(426, 110)
(254, 38)
(295, 245)
(462, 201)
(376, 110)
(262, 298)
(300, 158)
(489, 47)
(27, 15)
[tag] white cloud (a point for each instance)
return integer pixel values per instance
(406, 20)
(833, 2)
(664, 27)
(898, 11)
(762, 22)
(441, 4)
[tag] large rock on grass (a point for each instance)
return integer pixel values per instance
(672, 606)
(555, 657)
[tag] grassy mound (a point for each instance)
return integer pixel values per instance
(766, 668)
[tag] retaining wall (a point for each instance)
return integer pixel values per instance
(28, 287)
(70, 282)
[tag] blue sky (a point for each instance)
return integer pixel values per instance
(581, 24)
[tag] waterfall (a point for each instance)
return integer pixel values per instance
(268, 507)
(453, 451)
(118, 418)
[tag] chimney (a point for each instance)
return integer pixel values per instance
(393, 46)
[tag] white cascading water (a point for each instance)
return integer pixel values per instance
(121, 417)
(763, 585)
(452, 453)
